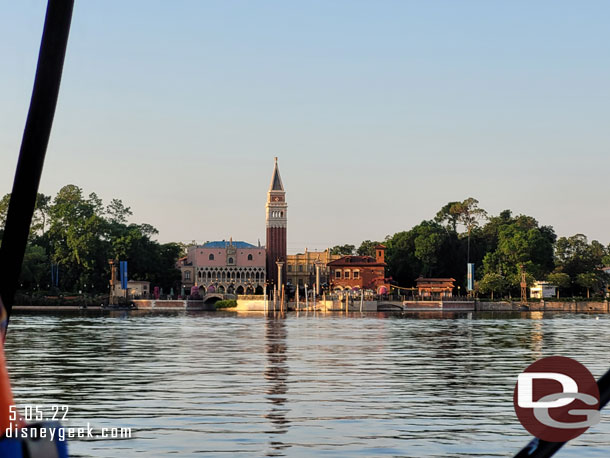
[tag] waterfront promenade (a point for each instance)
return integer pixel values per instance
(256, 304)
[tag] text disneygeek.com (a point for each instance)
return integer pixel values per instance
(62, 433)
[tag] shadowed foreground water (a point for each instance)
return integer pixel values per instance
(323, 385)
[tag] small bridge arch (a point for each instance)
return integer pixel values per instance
(389, 306)
(212, 298)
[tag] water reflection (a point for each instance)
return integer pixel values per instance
(276, 373)
(217, 384)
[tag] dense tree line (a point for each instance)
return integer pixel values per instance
(498, 245)
(78, 234)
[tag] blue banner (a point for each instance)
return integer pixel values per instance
(54, 274)
(470, 276)
(123, 268)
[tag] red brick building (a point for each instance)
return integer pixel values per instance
(360, 272)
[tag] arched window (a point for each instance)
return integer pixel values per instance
(211, 257)
(230, 260)
(250, 257)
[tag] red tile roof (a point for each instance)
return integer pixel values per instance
(356, 261)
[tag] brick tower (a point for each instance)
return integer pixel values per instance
(276, 227)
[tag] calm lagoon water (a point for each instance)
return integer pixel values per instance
(220, 384)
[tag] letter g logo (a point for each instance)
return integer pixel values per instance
(556, 399)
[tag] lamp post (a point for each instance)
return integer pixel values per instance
(317, 264)
(280, 283)
(112, 279)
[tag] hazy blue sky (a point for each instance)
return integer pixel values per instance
(380, 112)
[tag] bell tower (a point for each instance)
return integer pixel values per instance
(276, 219)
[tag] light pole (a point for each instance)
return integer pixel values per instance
(280, 284)
(317, 264)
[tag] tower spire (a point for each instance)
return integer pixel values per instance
(276, 180)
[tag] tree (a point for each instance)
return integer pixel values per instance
(4, 209)
(449, 215)
(367, 248)
(117, 212)
(343, 250)
(469, 215)
(574, 255)
(40, 217)
(428, 246)
(588, 280)
(520, 241)
(491, 283)
(560, 280)
(403, 266)
(466, 213)
(76, 241)
(35, 268)
(426, 249)
(80, 234)
(606, 258)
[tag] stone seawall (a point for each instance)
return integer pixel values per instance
(546, 306)
(145, 304)
(251, 305)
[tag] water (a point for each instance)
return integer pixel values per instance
(227, 385)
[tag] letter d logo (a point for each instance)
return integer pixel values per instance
(525, 389)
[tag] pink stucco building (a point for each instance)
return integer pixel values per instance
(225, 267)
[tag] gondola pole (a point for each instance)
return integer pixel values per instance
(34, 146)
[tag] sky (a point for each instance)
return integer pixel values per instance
(380, 112)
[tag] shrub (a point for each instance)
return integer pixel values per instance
(226, 304)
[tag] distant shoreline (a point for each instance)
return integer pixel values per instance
(56, 307)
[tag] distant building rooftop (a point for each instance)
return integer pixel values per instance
(225, 244)
(356, 260)
(435, 280)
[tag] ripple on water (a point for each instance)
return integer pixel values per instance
(297, 386)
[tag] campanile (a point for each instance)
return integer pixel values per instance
(276, 219)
